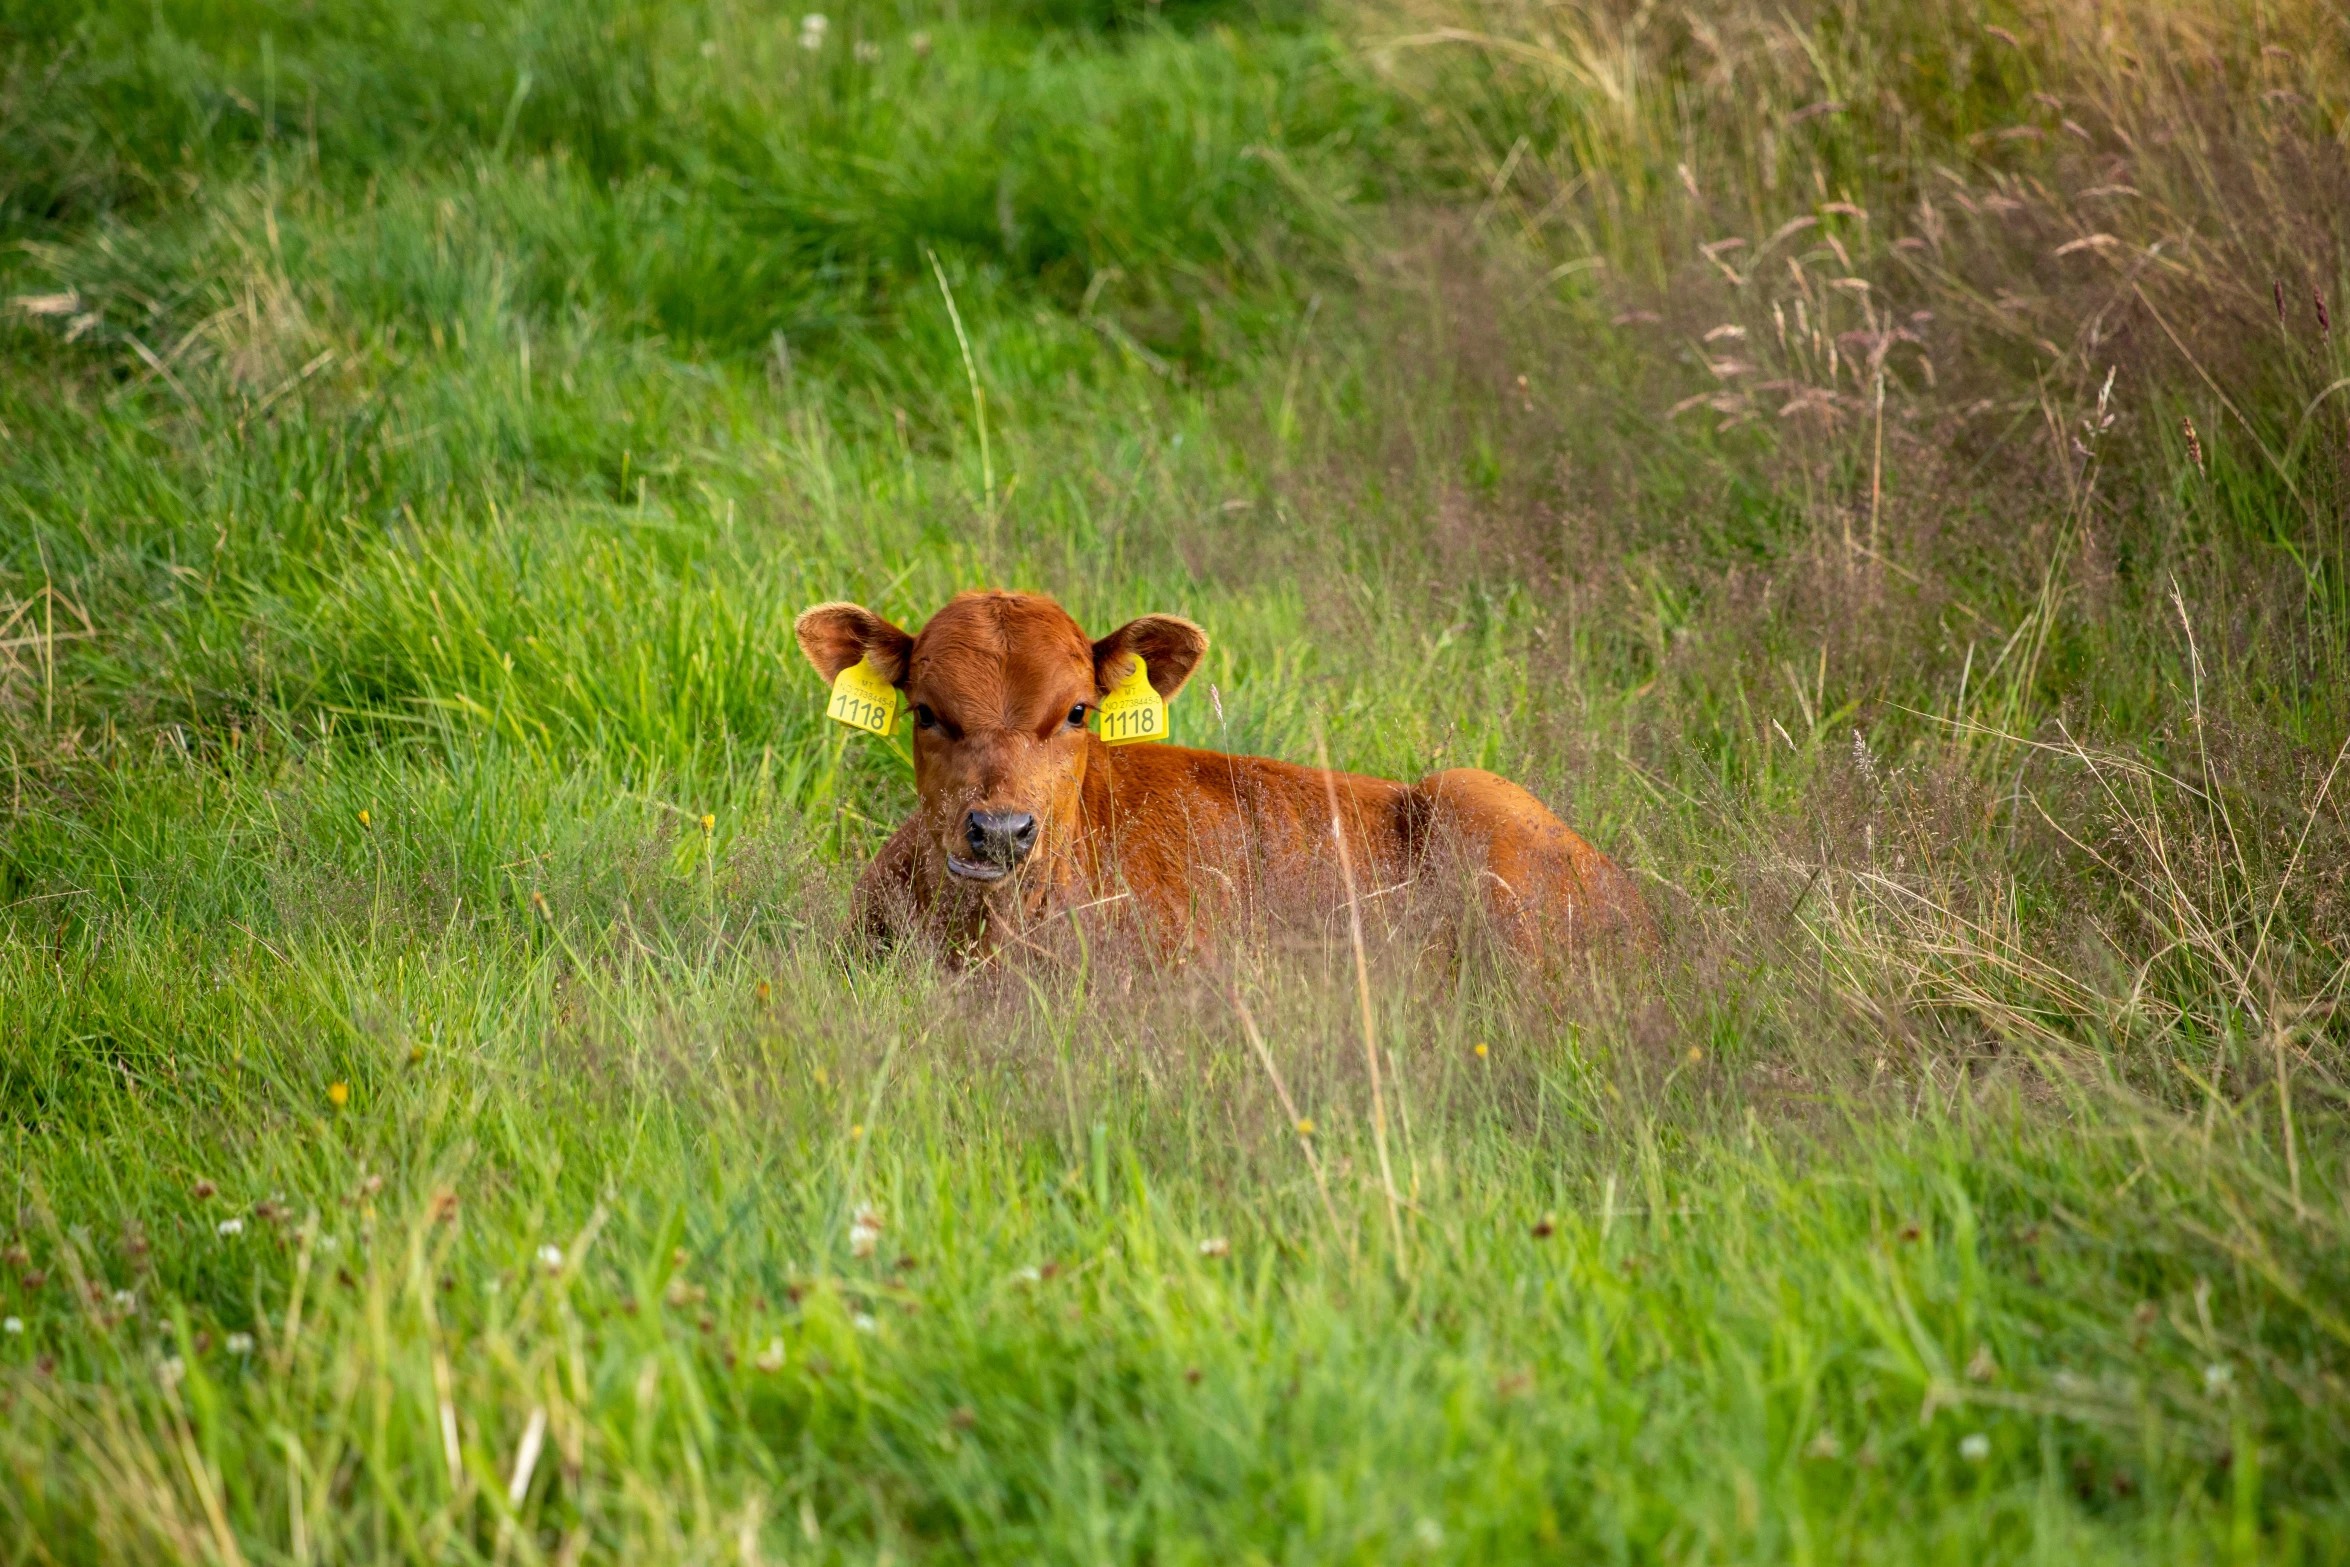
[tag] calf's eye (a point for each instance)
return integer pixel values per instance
(924, 718)
(1077, 716)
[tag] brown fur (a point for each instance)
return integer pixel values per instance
(1191, 838)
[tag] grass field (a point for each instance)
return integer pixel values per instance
(1882, 472)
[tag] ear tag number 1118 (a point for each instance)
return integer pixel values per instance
(1133, 711)
(863, 700)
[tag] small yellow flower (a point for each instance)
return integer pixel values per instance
(338, 1094)
(415, 1054)
(1305, 1126)
(365, 818)
(1480, 1049)
(764, 991)
(1695, 1055)
(708, 822)
(857, 1130)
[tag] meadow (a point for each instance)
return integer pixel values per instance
(1881, 472)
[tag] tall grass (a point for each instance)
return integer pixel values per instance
(1850, 460)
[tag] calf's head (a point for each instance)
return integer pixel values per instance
(1000, 686)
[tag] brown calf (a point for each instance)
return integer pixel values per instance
(1025, 813)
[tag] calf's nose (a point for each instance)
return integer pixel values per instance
(1000, 837)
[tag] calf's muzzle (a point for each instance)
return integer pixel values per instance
(998, 840)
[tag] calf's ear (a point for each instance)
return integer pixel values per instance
(1171, 648)
(834, 636)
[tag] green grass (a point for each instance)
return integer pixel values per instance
(421, 845)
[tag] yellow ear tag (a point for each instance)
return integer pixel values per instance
(1134, 711)
(863, 700)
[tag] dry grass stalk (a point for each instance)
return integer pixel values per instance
(1297, 1122)
(1354, 931)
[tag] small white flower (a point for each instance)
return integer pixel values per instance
(2217, 1376)
(329, 1243)
(1974, 1448)
(12, 1325)
(771, 1358)
(868, 52)
(126, 1303)
(864, 1233)
(170, 1369)
(1214, 1246)
(864, 1323)
(1029, 1275)
(709, 48)
(812, 28)
(551, 1258)
(230, 1227)
(240, 1343)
